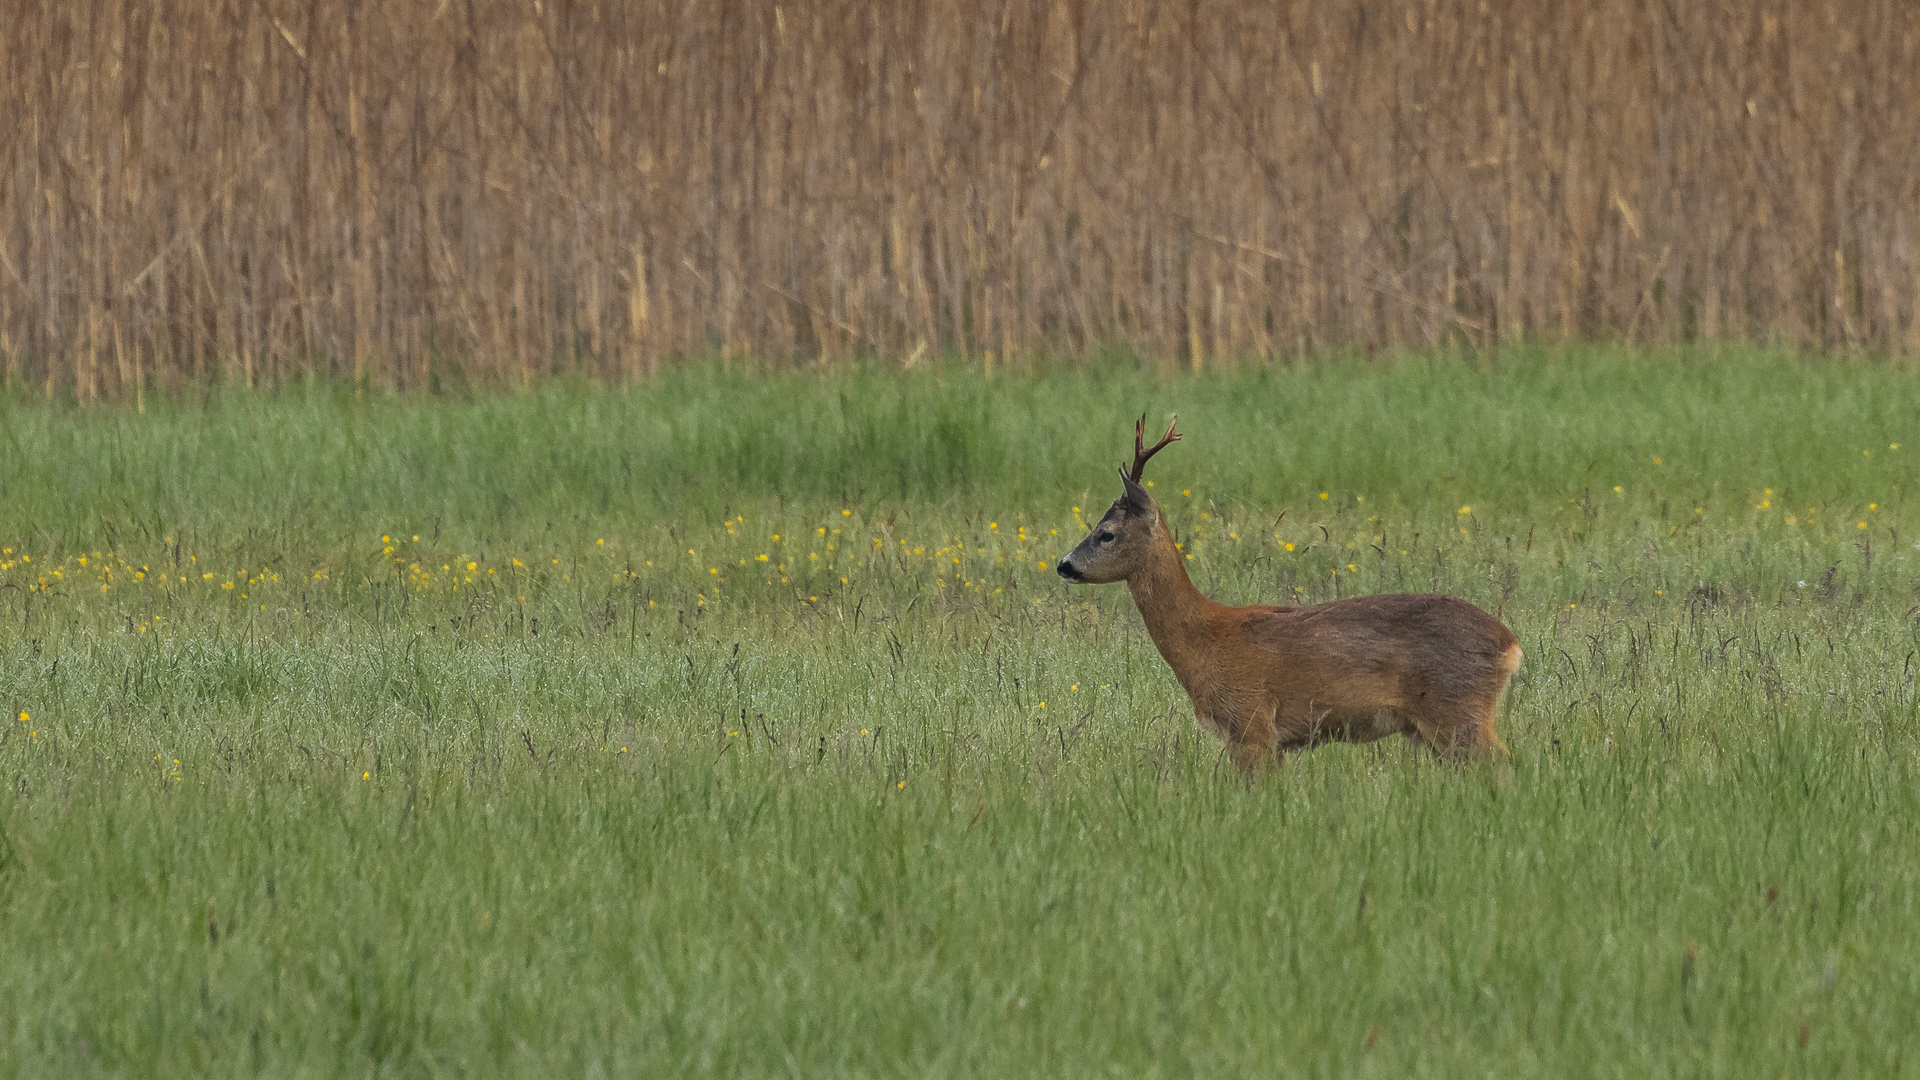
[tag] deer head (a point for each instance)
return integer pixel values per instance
(1120, 543)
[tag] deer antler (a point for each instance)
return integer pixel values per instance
(1140, 451)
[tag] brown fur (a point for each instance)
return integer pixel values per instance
(1269, 680)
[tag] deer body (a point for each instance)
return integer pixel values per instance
(1269, 680)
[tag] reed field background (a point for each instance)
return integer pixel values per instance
(737, 724)
(420, 194)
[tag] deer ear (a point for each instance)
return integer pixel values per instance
(1138, 501)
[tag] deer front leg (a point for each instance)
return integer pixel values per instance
(1254, 760)
(1251, 745)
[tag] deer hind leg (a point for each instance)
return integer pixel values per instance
(1463, 729)
(1488, 733)
(1464, 723)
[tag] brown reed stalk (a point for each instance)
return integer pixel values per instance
(256, 190)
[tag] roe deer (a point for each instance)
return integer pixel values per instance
(1273, 679)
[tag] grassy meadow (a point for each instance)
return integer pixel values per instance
(739, 725)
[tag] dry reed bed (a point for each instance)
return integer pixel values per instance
(248, 190)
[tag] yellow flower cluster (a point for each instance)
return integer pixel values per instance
(834, 554)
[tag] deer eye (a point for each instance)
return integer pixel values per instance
(1106, 538)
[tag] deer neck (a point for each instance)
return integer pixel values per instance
(1175, 612)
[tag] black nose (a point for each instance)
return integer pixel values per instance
(1068, 571)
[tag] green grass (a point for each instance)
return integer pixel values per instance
(618, 809)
